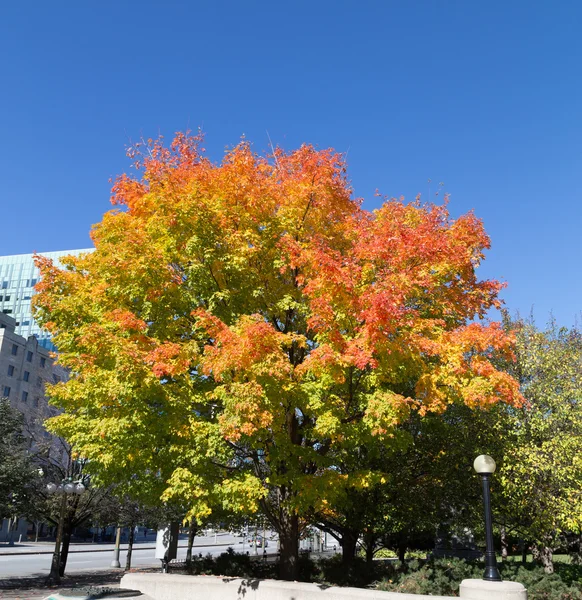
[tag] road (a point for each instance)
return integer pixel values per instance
(20, 565)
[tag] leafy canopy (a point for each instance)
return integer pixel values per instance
(242, 327)
(541, 473)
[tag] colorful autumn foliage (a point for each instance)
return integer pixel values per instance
(242, 327)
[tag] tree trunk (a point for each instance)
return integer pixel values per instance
(288, 521)
(545, 555)
(54, 575)
(349, 544)
(289, 545)
(504, 543)
(369, 547)
(129, 547)
(9, 535)
(401, 552)
(191, 536)
(65, 548)
(523, 552)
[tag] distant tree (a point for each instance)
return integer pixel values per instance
(17, 468)
(123, 511)
(541, 469)
(56, 467)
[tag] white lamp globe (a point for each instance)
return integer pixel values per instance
(484, 465)
(51, 488)
(79, 489)
(69, 488)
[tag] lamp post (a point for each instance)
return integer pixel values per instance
(485, 466)
(67, 487)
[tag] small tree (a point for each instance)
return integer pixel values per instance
(17, 468)
(79, 510)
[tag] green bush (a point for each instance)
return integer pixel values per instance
(359, 574)
(434, 577)
(443, 577)
(382, 553)
(231, 564)
(440, 577)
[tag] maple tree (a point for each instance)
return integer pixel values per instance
(242, 327)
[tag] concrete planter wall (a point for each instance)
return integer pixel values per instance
(190, 587)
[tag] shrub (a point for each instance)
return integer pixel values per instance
(382, 553)
(436, 577)
(443, 577)
(359, 574)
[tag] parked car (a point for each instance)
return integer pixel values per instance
(259, 542)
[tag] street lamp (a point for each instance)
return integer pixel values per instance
(67, 487)
(485, 466)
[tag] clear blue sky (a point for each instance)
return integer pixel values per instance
(483, 96)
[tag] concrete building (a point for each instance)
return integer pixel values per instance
(25, 368)
(26, 360)
(18, 276)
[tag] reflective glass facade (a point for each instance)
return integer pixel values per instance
(18, 276)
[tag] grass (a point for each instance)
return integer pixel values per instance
(558, 558)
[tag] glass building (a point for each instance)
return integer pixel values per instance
(18, 276)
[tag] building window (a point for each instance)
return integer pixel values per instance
(25, 322)
(56, 378)
(25, 396)
(10, 370)
(33, 282)
(14, 350)
(6, 392)
(42, 362)
(4, 285)
(26, 376)
(29, 356)
(7, 311)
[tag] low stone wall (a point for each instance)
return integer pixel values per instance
(477, 589)
(207, 587)
(191, 587)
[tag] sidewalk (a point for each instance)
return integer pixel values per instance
(34, 588)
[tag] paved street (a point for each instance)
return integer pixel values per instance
(24, 567)
(31, 564)
(26, 560)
